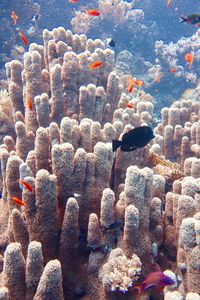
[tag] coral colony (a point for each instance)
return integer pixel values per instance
(105, 241)
(80, 217)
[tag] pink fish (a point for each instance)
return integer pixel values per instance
(154, 279)
(168, 3)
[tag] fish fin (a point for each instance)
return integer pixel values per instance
(182, 19)
(116, 144)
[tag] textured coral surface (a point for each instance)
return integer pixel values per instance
(95, 222)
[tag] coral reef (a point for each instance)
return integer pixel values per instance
(121, 13)
(171, 56)
(95, 222)
(6, 117)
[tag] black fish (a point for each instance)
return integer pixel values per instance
(0, 195)
(102, 248)
(134, 139)
(193, 19)
(111, 43)
(197, 191)
(114, 226)
(35, 18)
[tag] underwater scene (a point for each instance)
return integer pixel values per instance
(99, 150)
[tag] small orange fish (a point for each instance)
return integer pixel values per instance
(19, 202)
(157, 79)
(130, 84)
(169, 3)
(23, 38)
(189, 57)
(95, 65)
(172, 70)
(73, 1)
(14, 17)
(138, 82)
(26, 184)
(29, 103)
(93, 12)
(129, 105)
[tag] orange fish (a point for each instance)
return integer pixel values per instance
(95, 65)
(23, 38)
(29, 103)
(172, 70)
(129, 105)
(169, 3)
(189, 58)
(130, 84)
(138, 82)
(19, 202)
(26, 184)
(73, 1)
(14, 17)
(157, 79)
(93, 12)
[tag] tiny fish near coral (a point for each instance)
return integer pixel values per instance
(172, 70)
(157, 279)
(35, 18)
(130, 84)
(189, 57)
(129, 105)
(138, 82)
(134, 139)
(111, 42)
(93, 12)
(95, 65)
(114, 226)
(169, 3)
(26, 184)
(14, 17)
(29, 103)
(193, 19)
(23, 38)
(19, 202)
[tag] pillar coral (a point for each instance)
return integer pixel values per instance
(14, 272)
(180, 130)
(181, 216)
(73, 155)
(26, 279)
(138, 193)
(50, 284)
(34, 268)
(189, 241)
(61, 72)
(13, 70)
(6, 115)
(68, 246)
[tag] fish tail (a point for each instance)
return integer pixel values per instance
(115, 145)
(182, 19)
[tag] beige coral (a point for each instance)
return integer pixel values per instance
(119, 272)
